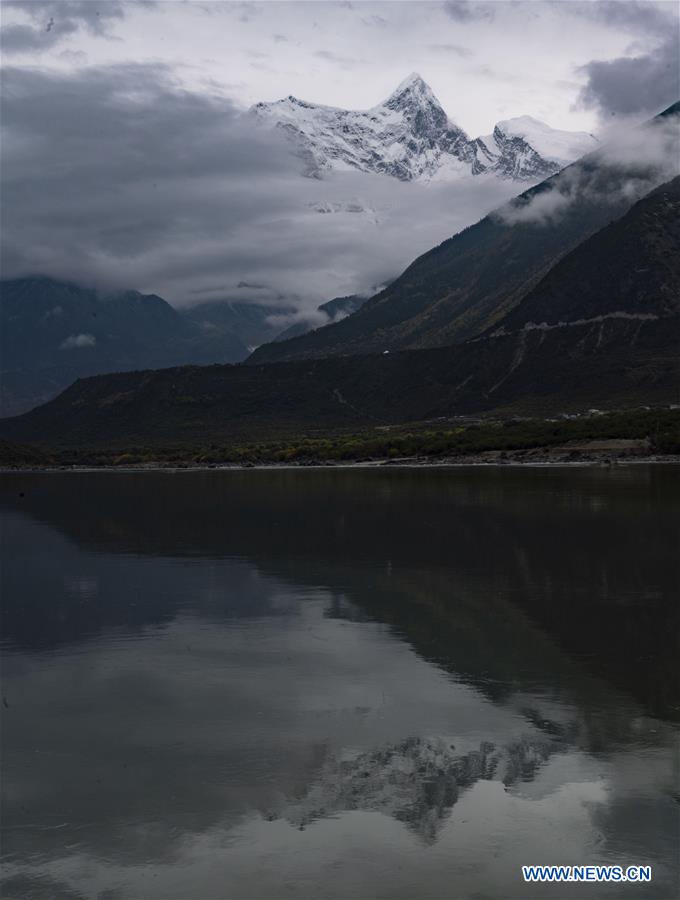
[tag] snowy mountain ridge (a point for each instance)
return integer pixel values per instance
(410, 137)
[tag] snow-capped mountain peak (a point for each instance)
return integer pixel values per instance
(412, 90)
(409, 136)
(413, 82)
(553, 144)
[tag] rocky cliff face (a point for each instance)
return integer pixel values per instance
(410, 137)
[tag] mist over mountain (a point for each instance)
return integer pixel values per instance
(332, 311)
(339, 444)
(618, 345)
(462, 287)
(206, 223)
(253, 323)
(54, 333)
(243, 246)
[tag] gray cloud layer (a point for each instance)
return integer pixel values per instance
(647, 79)
(51, 21)
(629, 86)
(116, 175)
(644, 81)
(467, 11)
(638, 16)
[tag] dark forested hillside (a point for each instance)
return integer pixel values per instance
(630, 267)
(601, 329)
(52, 332)
(468, 283)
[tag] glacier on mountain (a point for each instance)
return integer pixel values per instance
(410, 137)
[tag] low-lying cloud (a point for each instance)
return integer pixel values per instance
(78, 341)
(632, 163)
(120, 178)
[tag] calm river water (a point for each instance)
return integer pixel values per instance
(339, 683)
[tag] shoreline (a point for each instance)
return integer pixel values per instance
(644, 436)
(534, 461)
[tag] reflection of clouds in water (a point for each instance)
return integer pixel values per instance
(479, 851)
(177, 753)
(194, 736)
(198, 723)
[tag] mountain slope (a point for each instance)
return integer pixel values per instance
(629, 268)
(252, 323)
(410, 137)
(332, 310)
(618, 345)
(462, 287)
(53, 332)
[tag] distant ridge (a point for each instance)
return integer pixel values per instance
(52, 332)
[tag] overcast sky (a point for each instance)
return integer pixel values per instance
(485, 61)
(126, 160)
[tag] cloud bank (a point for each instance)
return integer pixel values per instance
(49, 22)
(634, 162)
(118, 177)
(647, 78)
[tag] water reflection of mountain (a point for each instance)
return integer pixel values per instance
(589, 555)
(417, 781)
(481, 585)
